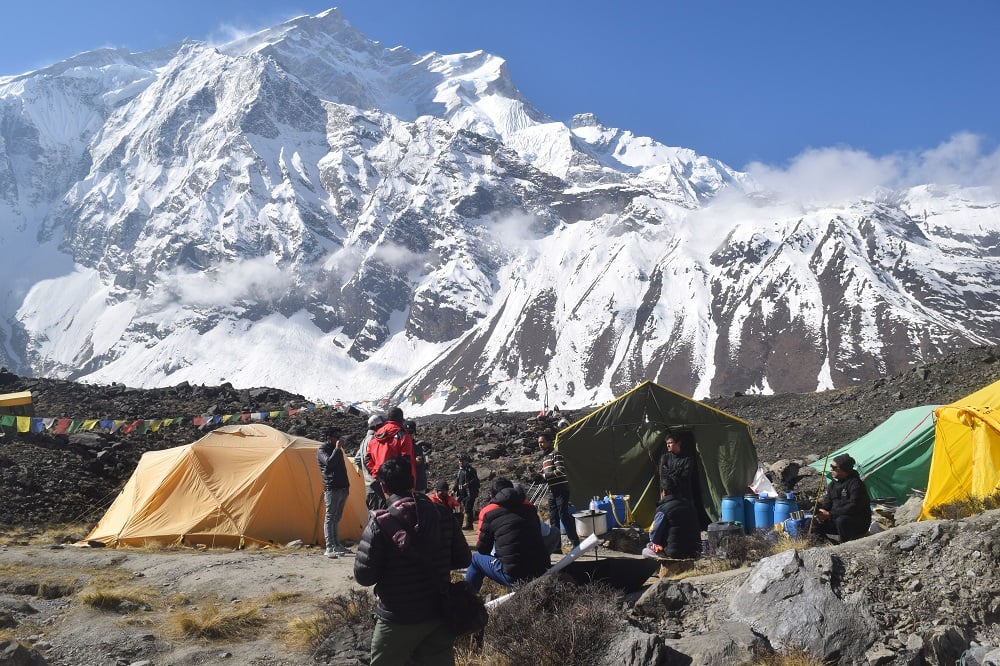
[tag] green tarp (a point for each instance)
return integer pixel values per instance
(616, 450)
(895, 457)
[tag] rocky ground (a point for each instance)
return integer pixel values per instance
(919, 593)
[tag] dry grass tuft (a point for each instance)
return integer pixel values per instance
(549, 621)
(354, 610)
(49, 535)
(282, 597)
(791, 657)
(967, 506)
(790, 543)
(119, 598)
(214, 623)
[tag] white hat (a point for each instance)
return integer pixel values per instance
(375, 420)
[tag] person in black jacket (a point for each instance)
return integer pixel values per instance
(680, 464)
(510, 549)
(407, 553)
(846, 508)
(467, 487)
(336, 489)
(675, 530)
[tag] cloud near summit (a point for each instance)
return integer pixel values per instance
(826, 175)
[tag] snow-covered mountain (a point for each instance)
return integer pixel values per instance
(307, 209)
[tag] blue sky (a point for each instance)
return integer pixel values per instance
(740, 81)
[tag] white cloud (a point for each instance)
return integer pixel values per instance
(397, 256)
(833, 175)
(256, 280)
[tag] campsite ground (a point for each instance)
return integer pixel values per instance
(283, 585)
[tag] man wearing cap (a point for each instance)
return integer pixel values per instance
(374, 499)
(336, 488)
(846, 508)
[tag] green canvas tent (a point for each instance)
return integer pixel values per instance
(616, 449)
(895, 457)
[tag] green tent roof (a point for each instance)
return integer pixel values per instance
(895, 457)
(616, 449)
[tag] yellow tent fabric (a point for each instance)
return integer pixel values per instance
(966, 459)
(15, 399)
(236, 485)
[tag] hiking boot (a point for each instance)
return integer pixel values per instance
(342, 551)
(331, 554)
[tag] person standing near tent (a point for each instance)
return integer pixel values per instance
(553, 473)
(336, 488)
(680, 465)
(846, 508)
(407, 552)
(391, 440)
(373, 492)
(467, 488)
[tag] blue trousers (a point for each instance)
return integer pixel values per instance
(335, 501)
(486, 566)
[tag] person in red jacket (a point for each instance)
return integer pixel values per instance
(390, 441)
(443, 497)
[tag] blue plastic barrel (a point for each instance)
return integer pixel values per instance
(732, 509)
(617, 510)
(783, 509)
(763, 513)
(749, 522)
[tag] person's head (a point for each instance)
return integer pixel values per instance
(331, 434)
(464, 459)
(375, 421)
(396, 476)
(395, 414)
(667, 486)
(441, 487)
(499, 484)
(842, 466)
(545, 441)
(673, 442)
(411, 426)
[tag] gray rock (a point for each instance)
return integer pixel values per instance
(633, 647)
(13, 653)
(945, 645)
(791, 601)
(731, 643)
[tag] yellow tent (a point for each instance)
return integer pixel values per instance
(966, 458)
(236, 485)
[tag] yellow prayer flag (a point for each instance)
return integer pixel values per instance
(23, 423)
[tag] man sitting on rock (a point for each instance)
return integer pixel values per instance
(510, 549)
(675, 532)
(845, 510)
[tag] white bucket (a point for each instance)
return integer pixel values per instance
(592, 521)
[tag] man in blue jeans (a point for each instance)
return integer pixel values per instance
(554, 474)
(336, 488)
(510, 549)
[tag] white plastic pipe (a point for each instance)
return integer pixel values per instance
(586, 545)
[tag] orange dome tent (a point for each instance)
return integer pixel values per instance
(236, 485)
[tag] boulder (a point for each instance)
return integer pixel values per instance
(633, 647)
(790, 599)
(731, 643)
